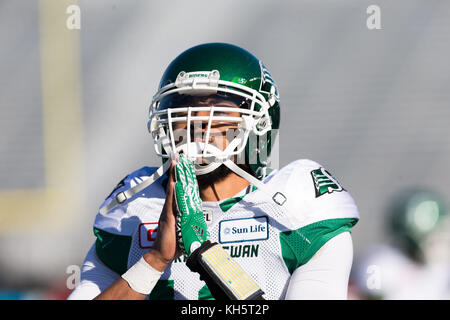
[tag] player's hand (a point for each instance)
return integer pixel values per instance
(191, 226)
(165, 248)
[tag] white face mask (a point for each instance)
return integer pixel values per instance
(174, 105)
(191, 123)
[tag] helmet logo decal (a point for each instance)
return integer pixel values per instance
(268, 86)
(239, 80)
(267, 77)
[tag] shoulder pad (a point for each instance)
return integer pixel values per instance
(129, 182)
(313, 194)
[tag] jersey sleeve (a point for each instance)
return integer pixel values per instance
(326, 275)
(319, 208)
(95, 278)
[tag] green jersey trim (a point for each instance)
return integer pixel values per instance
(227, 204)
(299, 246)
(113, 250)
(205, 294)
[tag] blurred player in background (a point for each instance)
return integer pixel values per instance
(417, 264)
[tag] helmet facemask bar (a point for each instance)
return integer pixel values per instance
(164, 116)
(212, 136)
(206, 86)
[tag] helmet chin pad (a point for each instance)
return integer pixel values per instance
(205, 169)
(214, 155)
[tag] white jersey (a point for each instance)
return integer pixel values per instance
(268, 240)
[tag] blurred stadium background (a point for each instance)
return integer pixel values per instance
(372, 106)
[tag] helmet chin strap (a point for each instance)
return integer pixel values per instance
(201, 147)
(121, 197)
(277, 197)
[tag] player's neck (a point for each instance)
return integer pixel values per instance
(223, 189)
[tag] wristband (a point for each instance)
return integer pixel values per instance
(142, 277)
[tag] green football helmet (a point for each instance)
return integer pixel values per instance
(415, 216)
(214, 73)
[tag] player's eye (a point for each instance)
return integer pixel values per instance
(225, 113)
(221, 113)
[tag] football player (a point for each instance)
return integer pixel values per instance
(215, 206)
